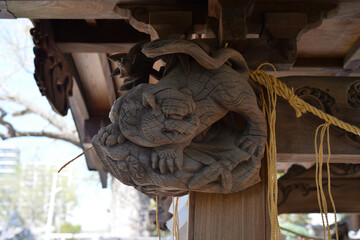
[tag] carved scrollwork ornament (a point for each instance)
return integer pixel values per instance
(354, 94)
(52, 73)
(175, 136)
(317, 97)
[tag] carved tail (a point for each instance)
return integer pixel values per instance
(162, 47)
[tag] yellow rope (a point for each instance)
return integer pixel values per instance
(269, 109)
(300, 106)
(275, 87)
(318, 178)
(176, 233)
(74, 158)
(157, 217)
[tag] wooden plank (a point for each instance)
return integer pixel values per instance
(177, 22)
(104, 36)
(77, 103)
(236, 216)
(72, 47)
(4, 13)
(310, 158)
(334, 95)
(333, 39)
(353, 55)
(70, 9)
(93, 80)
(297, 189)
(108, 79)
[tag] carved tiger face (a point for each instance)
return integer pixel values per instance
(156, 115)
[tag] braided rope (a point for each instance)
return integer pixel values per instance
(275, 87)
(296, 102)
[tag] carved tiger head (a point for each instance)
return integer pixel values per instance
(154, 115)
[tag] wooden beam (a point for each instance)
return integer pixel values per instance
(70, 9)
(106, 36)
(351, 61)
(237, 216)
(93, 80)
(297, 189)
(310, 158)
(72, 47)
(4, 13)
(105, 65)
(334, 95)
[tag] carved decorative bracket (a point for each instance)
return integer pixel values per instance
(52, 72)
(184, 132)
(297, 189)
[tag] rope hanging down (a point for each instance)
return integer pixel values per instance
(300, 106)
(275, 87)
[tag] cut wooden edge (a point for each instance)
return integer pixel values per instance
(335, 158)
(73, 47)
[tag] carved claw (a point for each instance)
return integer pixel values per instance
(166, 159)
(111, 135)
(252, 144)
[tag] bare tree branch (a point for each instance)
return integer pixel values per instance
(21, 113)
(69, 138)
(34, 109)
(66, 134)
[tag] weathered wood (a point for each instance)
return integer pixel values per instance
(52, 71)
(285, 25)
(4, 13)
(78, 104)
(93, 80)
(72, 47)
(337, 96)
(177, 23)
(319, 42)
(310, 158)
(105, 36)
(108, 79)
(236, 216)
(153, 125)
(352, 59)
(297, 189)
(353, 54)
(71, 9)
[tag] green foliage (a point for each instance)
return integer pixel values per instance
(69, 228)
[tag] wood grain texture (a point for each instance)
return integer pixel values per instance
(236, 216)
(184, 132)
(334, 95)
(4, 13)
(93, 81)
(297, 189)
(70, 9)
(78, 47)
(324, 41)
(352, 55)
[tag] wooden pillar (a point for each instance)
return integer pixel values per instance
(237, 216)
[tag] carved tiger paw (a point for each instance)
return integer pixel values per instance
(252, 144)
(111, 135)
(166, 159)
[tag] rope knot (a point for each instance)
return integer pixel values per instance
(296, 104)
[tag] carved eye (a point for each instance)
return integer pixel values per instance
(166, 131)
